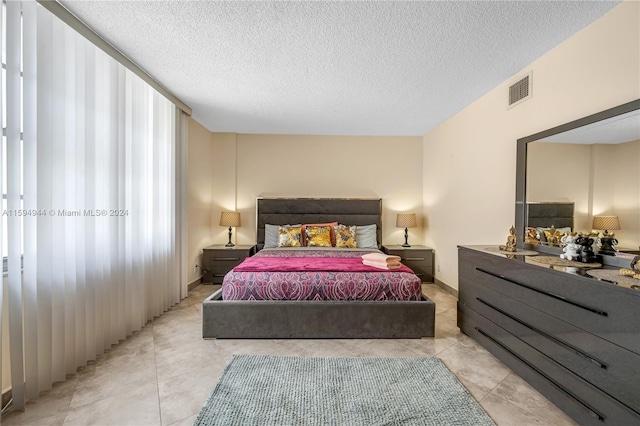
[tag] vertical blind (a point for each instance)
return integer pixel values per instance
(92, 172)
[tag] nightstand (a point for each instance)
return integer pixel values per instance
(217, 260)
(418, 258)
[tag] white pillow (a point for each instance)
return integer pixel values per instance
(271, 234)
(366, 236)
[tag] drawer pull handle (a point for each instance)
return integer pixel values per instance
(226, 258)
(558, 386)
(548, 336)
(219, 275)
(546, 293)
(414, 258)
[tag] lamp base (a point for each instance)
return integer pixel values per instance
(229, 244)
(406, 238)
(607, 245)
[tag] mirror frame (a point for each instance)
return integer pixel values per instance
(521, 167)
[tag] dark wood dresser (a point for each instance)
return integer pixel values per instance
(217, 260)
(574, 338)
(418, 258)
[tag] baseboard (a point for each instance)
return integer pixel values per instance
(446, 287)
(194, 284)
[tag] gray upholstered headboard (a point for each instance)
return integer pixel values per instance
(545, 214)
(348, 211)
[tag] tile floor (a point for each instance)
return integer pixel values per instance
(163, 374)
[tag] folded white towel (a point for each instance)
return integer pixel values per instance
(380, 257)
(381, 265)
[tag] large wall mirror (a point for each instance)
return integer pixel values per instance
(572, 173)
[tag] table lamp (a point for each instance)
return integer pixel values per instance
(230, 219)
(608, 240)
(406, 220)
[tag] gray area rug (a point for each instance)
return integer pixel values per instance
(276, 390)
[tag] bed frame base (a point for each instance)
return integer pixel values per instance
(307, 319)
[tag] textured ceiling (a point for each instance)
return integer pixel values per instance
(345, 68)
(619, 129)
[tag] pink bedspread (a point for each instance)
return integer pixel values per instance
(300, 264)
(292, 274)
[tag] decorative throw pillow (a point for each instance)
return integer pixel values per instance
(531, 236)
(553, 236)
(330, 225)
(366, 236)
(318, 236)
(289, 237)
(345, 236)
(271, 234)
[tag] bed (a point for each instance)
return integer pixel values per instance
(541, 216)
(238, 309)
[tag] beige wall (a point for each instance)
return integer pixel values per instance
(200, 178)
(617, 189)
(249, 166)
(224, 187)
(469, 160)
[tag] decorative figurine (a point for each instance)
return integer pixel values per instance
(511, 241)
(630, 273)
(634, 271)
(607, 243)
(586, 254)
(571, 249)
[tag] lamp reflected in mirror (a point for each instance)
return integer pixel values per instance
(607, 241)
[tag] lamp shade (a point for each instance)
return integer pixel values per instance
(606, 222)
(230, 219)
(406, 220)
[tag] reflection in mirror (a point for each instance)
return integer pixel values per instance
(591, 166)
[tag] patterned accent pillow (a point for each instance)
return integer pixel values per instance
(553, 236)
(330, 225)
(531, 236)
(289, 236)
(318, 236)
(345, 236)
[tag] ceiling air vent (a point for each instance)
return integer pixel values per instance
(520, 91)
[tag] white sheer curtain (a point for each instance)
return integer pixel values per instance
(94, 187)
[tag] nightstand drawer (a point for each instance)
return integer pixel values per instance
(218, 260)
(425, 274)
(225, 255)
(418, 258)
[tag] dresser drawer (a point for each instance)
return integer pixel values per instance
(599, 308)
(579, 398)
(614, 369)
